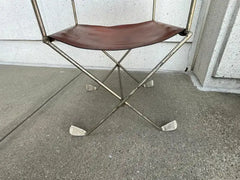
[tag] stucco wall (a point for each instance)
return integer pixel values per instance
(229, 61)
(217, 61)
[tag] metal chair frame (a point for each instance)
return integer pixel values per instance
(143, 83)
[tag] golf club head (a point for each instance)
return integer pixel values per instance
(76, 131)
(172, 126)
(90, 87)
(149, 84)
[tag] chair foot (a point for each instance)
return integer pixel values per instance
(90, 88)
(172, 126)
(76, 131)
(149, 84)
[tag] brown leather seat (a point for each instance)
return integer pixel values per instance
(116, 37)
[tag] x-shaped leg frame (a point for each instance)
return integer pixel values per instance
(123, 101)
(118, 66)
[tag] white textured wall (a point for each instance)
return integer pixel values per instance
(228, 85)
(229, 66)
(219, 49)
(20, 34)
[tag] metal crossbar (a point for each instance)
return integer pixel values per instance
(123, 100)
(118, 66)
(120, 83)
(154, 10)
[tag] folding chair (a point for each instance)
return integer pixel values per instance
(121, 37)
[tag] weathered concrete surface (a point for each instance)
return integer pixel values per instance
(205, 146)
(23, 89)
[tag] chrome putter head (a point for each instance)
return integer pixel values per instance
(172, 126)
(90, 87)
(76, 131)
(149, 84)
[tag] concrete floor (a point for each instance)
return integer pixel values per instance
(206, 144)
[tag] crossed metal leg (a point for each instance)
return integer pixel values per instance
(123, 101)
(118, 65)
(90, 87)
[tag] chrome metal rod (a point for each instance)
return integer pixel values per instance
(120, 83)
(75, 12)
(109, 74)
(143, 116)
(154, 10)
(191, 14)
(118, 64)
(77, 65)
(39, 18)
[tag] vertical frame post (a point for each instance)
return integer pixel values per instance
(39, 19)
(74, 12)
(191, 14)
(154, 10)
(120, 83)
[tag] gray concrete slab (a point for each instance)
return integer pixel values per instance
(24, 89)
(205, 146)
